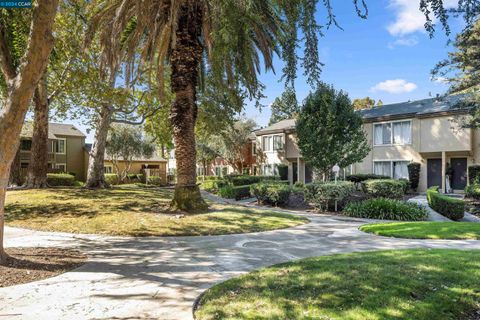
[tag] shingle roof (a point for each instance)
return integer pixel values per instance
(277, 127)
(154, 158)
(54, 130)
(417, 108)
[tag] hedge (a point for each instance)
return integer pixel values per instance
(357, 178)
(60, 180)
(414, 174)
(473, 173)
(154, 180)
(271, 193)
(324, 194)
(473, 191)
(111, 178)
(245, 180)
(235, 192)
(386, 188)
(386, 209)
(213, 185)
(447, 206)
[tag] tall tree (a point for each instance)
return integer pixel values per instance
(234, 36)
(329, 130)
(363, 103)
(284, 107)
(21, 81)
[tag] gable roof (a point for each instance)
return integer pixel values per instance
(418, 108)
(288, 124)
(55, 130)
(154, 158)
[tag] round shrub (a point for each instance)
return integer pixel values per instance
(60, 180)
(386, 209)
(111, 178)
(271, 193)
(473, 191)
(386, 188)
(473, 173)
(324, 194)
(234, 192)
(414, 174)
(154, 180)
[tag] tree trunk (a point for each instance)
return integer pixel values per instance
(15, 174)
(96, 174)
(185, 59)
(38, 166)
(21, 85)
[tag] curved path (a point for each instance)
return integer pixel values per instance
(160, 278)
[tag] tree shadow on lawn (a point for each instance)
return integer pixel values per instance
(413, 284)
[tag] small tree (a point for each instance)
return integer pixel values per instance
(329, 131)
(126, 142)
(284, 107)
(364, 103)
(206, 152)
(414, 174)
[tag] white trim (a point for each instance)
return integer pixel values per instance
(391, 133)
(60, 164)
(108, 166)
(391, 164)
(272, 144)
(254, 148)
(64, 146)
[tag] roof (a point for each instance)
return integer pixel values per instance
(55, 130)
(288, 124)
(154, 158)
(419, 108)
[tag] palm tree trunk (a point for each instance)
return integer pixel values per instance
(185, 60)
(38, 166)
(96, 174)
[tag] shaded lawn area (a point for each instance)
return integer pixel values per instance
(426, 230)
(403, 284)
(132, 211)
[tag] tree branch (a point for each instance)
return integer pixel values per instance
(60, 87)
(6, 63)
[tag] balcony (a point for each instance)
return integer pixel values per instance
(25, 156)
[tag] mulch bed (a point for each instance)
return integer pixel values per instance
(33, 264)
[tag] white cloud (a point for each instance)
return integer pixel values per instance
(406, 42)
(409, 18)
(394, 86)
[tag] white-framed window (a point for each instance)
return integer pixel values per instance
(394, 132)
(267, 143)
(200, 171)
(108, 169)
(278, 142)
(272, 142)
(61, 166)
(254, 148)
(270, 169)
(60, 146)
(397, 169)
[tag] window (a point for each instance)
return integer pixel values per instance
(278, 142)
(60, 146)
(399, 132)
(224, 171)
(108, 169)
(393, 169)
(200, 171)
(26, 145)
(254, 148)
(218, 171)
(61, 166)
(267, 143)
(267, 170)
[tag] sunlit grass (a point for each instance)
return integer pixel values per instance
(404, 284)
(132, 211)
(426, 230)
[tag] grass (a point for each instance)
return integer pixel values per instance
(402, 284)
(426, 230)
(132, 211)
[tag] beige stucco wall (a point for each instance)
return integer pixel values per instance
(443, 134)
(74, 157)
(292, 150)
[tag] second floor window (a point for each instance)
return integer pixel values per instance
(274, 142)
(278, 142)
(60, 146)
(399, 132)
(254, 148)
(267, 143)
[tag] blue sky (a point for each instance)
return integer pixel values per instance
(389, 56)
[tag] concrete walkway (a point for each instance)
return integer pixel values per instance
(432, 214)
(160, 278)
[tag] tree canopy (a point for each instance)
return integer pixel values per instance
(329, 131)
(284, 107)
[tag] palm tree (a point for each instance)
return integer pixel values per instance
(229, 38)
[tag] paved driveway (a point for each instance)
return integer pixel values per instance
(160, 278)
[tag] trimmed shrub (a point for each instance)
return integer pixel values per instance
(449, 207)
(244, 180)
(271, 193)
(323, 194)
(154, 180)
(406, 184)
(357, 178)
(283, 171)
(269, 178)
(111, 178)
(60, 180)
(473, 173)
(386, 209)
(213, 185)
(386, 188)
(234, 192)
(414, 174)
(473, 191)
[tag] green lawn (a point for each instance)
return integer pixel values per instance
(426, 230)
(132, 211)
(402, 284)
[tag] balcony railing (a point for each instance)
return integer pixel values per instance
(25, 155)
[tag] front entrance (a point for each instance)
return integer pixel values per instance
(459, 167)
(434, 172)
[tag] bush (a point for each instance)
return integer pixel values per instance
(234, 192)
(473, 173)
(283, 171)
(386, 188)
(386, 209)
(473, 191)
(60, 180)
(111, 178)
(213, 185)
(414, 174)
(324, 194)
(244, 180)
(406, 184)
(447, 206)
(154, 180)
(271, 193)
(357, 178)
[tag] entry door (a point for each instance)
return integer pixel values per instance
(434, 172)
(459, 166)
(295, 172)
